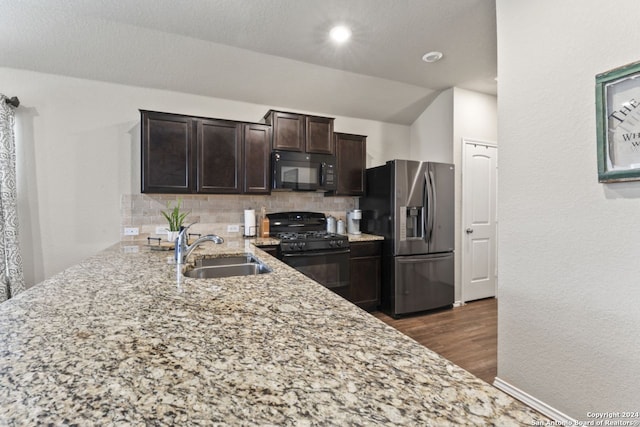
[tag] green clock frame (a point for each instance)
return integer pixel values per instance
(622, 81)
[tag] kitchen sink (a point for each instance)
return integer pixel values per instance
(227, 266)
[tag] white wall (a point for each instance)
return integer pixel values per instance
(79, 151)
(475, 116)
(568, 321)
(432, 132)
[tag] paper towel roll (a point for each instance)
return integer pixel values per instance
(250, 228)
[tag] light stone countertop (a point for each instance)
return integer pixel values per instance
(364, 237)
(124, 339)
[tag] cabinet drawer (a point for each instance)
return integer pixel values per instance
(365, 249)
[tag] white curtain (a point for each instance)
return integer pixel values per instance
(11, 275)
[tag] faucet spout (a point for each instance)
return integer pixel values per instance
(182, 250)
(208, 238)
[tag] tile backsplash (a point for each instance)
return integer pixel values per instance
(215, 212)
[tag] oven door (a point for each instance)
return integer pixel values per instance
(329, 268)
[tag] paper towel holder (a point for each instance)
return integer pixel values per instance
(250, 226)
(255, 231)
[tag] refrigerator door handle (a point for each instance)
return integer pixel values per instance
(425, 203)
(433, 204)
(428, 203)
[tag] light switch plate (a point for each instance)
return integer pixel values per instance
(161, 229)
(233, 228)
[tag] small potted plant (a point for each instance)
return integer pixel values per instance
(175, 218)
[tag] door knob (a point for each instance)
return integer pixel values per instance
(469, 230)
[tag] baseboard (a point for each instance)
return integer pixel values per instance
(458, 304)
(536, 404)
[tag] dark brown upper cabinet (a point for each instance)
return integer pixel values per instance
(183, 154)
(299, 132)
(219, 156)
(351, 158)
(319, 135)
(167, 160)
(257, 153)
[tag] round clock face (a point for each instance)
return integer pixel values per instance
(623, 123)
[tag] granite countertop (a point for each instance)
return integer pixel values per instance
(124, 339)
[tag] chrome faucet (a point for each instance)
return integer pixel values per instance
(183, 250)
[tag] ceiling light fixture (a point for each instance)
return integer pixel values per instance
(432, 56)
(340, 34)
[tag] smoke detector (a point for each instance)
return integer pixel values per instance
(432, 56)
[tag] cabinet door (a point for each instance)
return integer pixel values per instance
(257, 150)
(351, 152)
(270, 249)
(219, 156)
(167, 144)
(319, 135)
(365, 282)
(288, 131)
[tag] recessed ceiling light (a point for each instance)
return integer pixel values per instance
(340, 34)
(432, 56)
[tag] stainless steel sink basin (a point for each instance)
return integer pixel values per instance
(227, 266)
(227, 260)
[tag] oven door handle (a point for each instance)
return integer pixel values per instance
(324, 253)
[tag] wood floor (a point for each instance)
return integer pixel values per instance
(466, 335)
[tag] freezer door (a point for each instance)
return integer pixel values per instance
(440, 207)
(410, 207)
(422, 283)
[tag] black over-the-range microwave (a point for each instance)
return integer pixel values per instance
(303, 171)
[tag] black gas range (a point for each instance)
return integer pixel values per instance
(306, 246)
(304, 232)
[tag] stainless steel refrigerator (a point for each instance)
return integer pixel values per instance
(411, 204)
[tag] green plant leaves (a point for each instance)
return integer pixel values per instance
(174, 216)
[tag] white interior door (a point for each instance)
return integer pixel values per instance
(479, 217)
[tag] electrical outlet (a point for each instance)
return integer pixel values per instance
(131, 231)
(130, 249)
(161, 230)
(233, 228)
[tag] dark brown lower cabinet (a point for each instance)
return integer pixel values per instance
(270, 249)
(365, 264)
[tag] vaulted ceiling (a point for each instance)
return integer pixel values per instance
(272, 52)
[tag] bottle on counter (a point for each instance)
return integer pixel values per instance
(264, 223)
